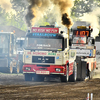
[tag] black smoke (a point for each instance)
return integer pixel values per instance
(66, 20)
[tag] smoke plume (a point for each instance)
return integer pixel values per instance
(66, 20)
(38, 8)
(65, 9)
(6, 4)
(35, 10)
(93, 19)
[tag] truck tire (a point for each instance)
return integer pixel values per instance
(16, 70)
(65, 78)
(28, 77)
(91, 73)
(11, 68)
(73, 77)
(20, 67)
(81, 69)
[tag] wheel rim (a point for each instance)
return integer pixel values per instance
(75, 71)
(67, 78)
(18, 68)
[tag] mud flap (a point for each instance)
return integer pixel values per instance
(81, 69)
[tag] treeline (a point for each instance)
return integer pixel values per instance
(18, 20)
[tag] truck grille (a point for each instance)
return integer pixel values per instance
(41, 59)
(3, 63)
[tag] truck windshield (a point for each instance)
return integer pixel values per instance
(4, 43)
(79, 39)
(44, 43)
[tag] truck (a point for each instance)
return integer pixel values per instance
(8, 57)
(84, 44)
(47, 54)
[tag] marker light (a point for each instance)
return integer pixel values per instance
(28, 68)
(58, 69)
(89, 27)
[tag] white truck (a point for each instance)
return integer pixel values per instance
(47, 54)
(84, 44)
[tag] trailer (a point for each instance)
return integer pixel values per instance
(47, 54)
(84, 44)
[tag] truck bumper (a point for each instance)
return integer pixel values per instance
(40, 70)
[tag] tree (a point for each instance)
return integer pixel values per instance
(12, 19)
(84, 6)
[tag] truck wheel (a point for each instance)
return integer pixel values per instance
(28, 77)
(17, 68)
(65, 78)
(91, 74)
(11, 68)
(20, 67)
(73, 77)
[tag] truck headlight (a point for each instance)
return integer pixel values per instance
(28, 68)
(58, 69)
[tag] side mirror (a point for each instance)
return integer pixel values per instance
(93, 41)
(70, 42)
(71, 30)
(61, 32)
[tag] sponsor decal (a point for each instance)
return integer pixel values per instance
(87, 53)
(27, 56)
(57, 57)
(51, 53)
(28, 52)
(78, 45)
(39, 53)
(44, 30)
(90, 53)
(44, 34)
(84, 52)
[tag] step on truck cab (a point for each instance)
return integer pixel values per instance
(47, 54)
(84, 44)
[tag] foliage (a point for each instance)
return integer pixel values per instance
(20, 6)
(11, 19)
(84, 6)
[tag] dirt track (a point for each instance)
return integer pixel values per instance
(13, 87)
(62, 91)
